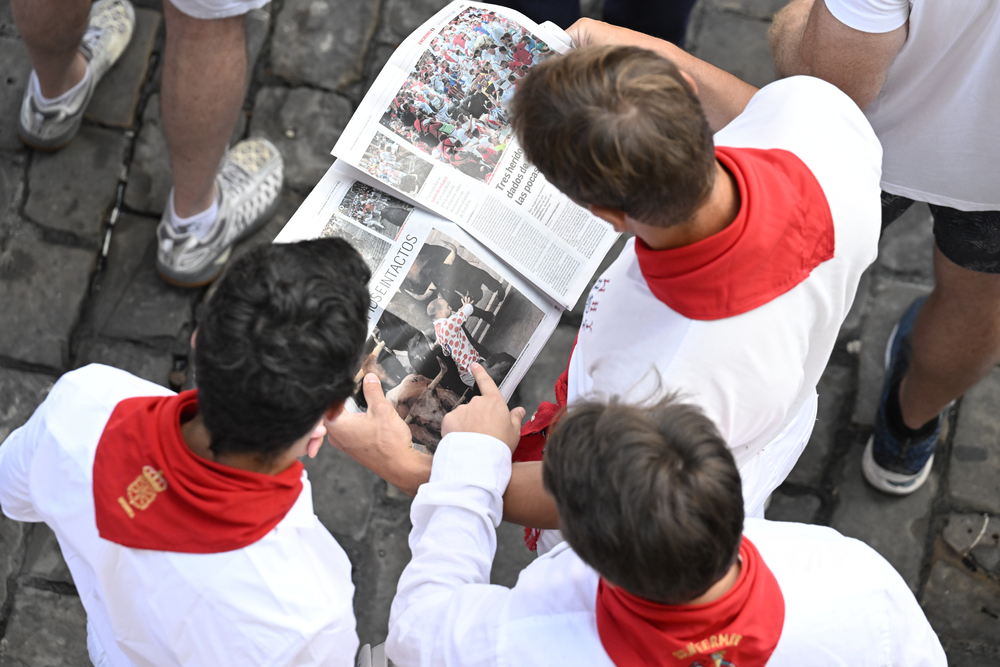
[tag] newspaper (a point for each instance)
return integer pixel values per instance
(433, 128)
(440, 300)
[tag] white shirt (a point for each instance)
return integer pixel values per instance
(936, 115)
(284, 600)
(754, 374)
(844, 604)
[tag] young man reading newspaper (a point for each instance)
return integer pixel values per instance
(658, 567)
(748, 251)
(186, 520)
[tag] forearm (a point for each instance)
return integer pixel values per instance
(526, 501)
(723, 96)
(453, 540)
(406, 473)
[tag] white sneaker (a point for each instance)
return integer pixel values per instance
(49, 127)
(249, 190)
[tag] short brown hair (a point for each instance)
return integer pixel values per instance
(617, 127)
(648, 496)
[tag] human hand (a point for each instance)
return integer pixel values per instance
(380, 440)
(466, 300)
(486, 414)
(588, 32)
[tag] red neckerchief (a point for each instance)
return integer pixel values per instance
(741, 628)
(783, 231)
(152, 492)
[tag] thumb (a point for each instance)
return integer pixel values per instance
(372, 388)
(516, 417)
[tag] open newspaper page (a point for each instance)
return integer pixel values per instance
(434, 128)
(439, 302)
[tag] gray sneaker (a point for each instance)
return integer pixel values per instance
(50, 127)
(249, 189)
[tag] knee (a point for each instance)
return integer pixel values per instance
(184, 26)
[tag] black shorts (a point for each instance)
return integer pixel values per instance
(970, 239)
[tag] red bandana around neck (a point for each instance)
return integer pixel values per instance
(152, 492)
(783, 231)
(741, 628)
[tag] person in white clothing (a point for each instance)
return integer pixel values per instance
(927, 75)
(186, 520)
(748, 251)
(658, 567)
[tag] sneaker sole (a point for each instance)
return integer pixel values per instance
(204, 278)
(888, 481)
(47, 146)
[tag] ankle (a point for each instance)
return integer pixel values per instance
(898, 424)
(57, 89)
(186, 207)
(199, 224)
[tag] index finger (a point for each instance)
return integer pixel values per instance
(486, 384)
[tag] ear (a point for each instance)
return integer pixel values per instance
(334, 410)
(194, 337)
(614, 216)
(694, 86)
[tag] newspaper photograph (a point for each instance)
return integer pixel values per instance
(379, 212)
(440, 301)
(434, 129)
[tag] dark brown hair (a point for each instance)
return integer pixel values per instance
(617, 127)
(648, 496)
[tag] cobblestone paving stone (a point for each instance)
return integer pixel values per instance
(70, 297)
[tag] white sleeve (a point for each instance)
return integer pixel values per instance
(445, 611)
(875, 16)
(16, 454)
(912, 641)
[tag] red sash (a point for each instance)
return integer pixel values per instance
(783, 231)
(740, 629)
(152, 492)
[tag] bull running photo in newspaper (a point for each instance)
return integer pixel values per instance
(452, 106)
(433, 128)
(440, 301)
(451, 311)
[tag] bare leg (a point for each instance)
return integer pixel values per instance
(52, 30)
(956, 340)
(204, 82)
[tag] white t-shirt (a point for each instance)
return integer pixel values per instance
(284, 600)
(936, 115)
(844, 604)
(754, 374)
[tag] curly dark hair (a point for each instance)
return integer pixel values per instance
(280, 343)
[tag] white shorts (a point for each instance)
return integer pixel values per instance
(217, 9)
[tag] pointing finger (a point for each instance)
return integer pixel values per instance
(486, 384)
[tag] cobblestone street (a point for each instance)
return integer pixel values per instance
(78, 285)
